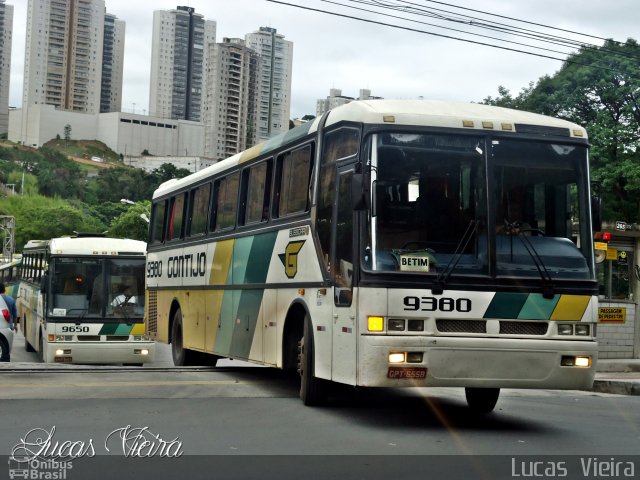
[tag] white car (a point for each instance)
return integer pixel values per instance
(6, 334)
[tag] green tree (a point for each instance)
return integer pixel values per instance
(133, 223)
(67, 132)
(167, 171)
(598, 88)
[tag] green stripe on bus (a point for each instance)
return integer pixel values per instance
(248, 309)
(108, 329)
(538, 308)
(259, 258)
(506, 305)
(123, 329)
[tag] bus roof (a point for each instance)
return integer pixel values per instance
(89, 246)
(425, 113)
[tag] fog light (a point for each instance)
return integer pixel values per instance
(416, 326)
(567, 361)
(565, 329)
(59, 352)
(375, 324)
(142, 351)
(583, 361)
(414, 357)
(396, 324)
(397, 357)
(582, 329)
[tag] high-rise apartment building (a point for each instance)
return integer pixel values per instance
(63, 55)
(112, 64)
(274, 82)
(179, 56)
(231, 100)
(335, 99)
(6, 33)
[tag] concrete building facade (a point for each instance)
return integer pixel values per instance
(6, 34)
(335, 99)
(125, 133)
(63, 54)
(179, 55)
(231, 103)
(274, 82)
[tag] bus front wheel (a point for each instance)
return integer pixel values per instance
(313, 390)
(482, 400)
(181, 356)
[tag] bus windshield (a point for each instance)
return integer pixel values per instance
(97, 287)
(489, 206)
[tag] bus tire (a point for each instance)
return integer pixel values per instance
(5, 355)
(182, 357)
(482, 400)
(313, 390)
(41, 355)
(27, 346)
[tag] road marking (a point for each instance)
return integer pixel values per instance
(129, 384)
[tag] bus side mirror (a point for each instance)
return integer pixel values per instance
(596, 213)
(43, 283)
(360, 198)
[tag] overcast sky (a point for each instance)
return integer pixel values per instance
(334, 52)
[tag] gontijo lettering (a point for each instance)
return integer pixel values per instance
(187, 265)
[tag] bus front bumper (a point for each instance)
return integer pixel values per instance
(477, 362)
(101, 353)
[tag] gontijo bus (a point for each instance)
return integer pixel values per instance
(70, 304)
(387, 243)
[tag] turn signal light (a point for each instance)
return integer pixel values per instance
(375, 324)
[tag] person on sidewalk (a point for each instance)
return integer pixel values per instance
(11, 305)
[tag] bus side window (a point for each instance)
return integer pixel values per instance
(176, 217)
(158, 222)
(294, 173)
(223, 215)
(199, 210)
(257, 193)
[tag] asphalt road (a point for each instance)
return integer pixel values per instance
(217, 414)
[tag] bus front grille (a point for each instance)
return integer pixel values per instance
(117, 338)
(88, 338)
(152, 309)
(523, 328)
(461, 326)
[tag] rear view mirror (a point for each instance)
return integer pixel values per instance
(360, 198)
(596, 213)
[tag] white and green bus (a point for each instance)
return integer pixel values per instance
(72, 304)
(387, 244)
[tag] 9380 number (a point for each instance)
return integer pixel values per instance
(433, 304)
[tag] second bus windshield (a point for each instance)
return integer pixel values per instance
(97, 287)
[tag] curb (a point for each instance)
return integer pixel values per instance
(617, 387)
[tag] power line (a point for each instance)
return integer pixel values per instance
(414, 9)
(376, 22)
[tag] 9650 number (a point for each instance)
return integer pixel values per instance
(433, 304)
(74, 329)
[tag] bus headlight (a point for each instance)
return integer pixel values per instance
(565, 329)
(397, 357)
(582, 330)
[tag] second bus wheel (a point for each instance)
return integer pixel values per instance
(313, 390)
(182, 357)
(482, 400)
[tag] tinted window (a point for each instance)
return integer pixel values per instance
(157, 228)
(199, 209)
(258, 193)
(295, 170)
(176, 217)
(224, 216)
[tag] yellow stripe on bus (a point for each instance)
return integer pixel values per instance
(570, 307)
(221, 262)
(138, 329)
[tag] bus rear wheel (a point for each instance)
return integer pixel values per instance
(482, 400)
(313, 390)
(182, 357)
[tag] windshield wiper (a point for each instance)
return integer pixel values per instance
(443, 277)
(547, 279)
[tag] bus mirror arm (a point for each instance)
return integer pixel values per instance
(361, 200)
(596, 213)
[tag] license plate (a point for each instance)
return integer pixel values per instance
(63, 359)
(407, 372)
